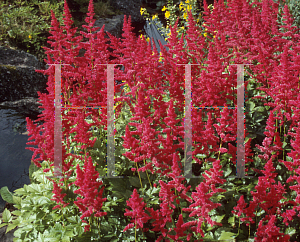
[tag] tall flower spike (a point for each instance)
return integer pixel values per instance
(137, 214)
(88, 188)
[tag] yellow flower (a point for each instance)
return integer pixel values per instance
(185, 15)
(167, 14)
(160, 58)
(205, 34)
(181, 6)
(164, 8)
(187, 1)
(168, 36)
(154, 16)
(29, 36)
(189, 7)
(214, 36)
(148, 39)
(141, 36)
(142, 10)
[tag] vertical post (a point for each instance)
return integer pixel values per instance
(57, 124)
(240, 165)
(188, 124)
(110, 122)
(240, 124)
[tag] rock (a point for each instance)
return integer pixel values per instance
(113, 25)
(18, 78)
(130, 7)
(29, 107)
(19, 83)
(14, 57)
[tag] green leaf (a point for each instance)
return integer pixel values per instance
(10, 227)
(6, 216)
(227, 172)
(6, 195)
(209, 236)
(290, 231)
(231, 220)
(134, 181)
(259, 109)
(17, 200)
(284, 144)
(218, 219)
(32, 168)
(252, 106)
(16, 212)
(2, 225)
(227, 235)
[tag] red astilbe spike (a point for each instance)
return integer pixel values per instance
(58, 196)
(92, 200)
(202, 198)
(267, 148)
(137, 213)
(158, 223)
(194, 41)
(176, 182)
(209, 137)
(47, 102)
(179, 230)
(268, 194)
(297, 189)
(248, 212)
(270, 232)
(240, 208)
(294, 154)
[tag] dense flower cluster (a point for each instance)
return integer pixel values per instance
(88, 188)
(247, 36)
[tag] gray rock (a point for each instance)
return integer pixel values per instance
(20, 82)
(14, 57)
(130, 7)
(113, 25)
(18, 79)
(29, 106)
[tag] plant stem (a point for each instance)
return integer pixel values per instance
(135, 230)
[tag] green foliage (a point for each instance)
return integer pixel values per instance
(6, 194)
(26, 25)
